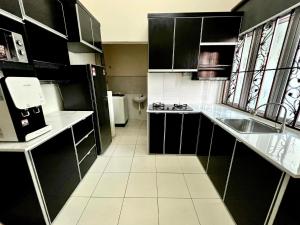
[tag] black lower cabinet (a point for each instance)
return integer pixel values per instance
(205, 135)
(18, 200)
(288, 212)
(57, 169)
(190, 129)
(156, 133)
(252, 185)
(173, 133)
(88, 161)
(220, 158)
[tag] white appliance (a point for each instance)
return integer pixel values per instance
(21, 101)
(120, 103)
(111, 113)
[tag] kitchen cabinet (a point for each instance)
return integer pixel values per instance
(190, 129)
(187, 41)
(205, 138)
(57, 169)
(288, 212)
(156, 132)
(19, 201)
(173, 133)
(48, 14)
(221, 151)
(84, 32)
(12, 7)
(161, 35)
(221, 29)
(251, 187)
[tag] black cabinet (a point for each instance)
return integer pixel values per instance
(47, 14)
(161, 35)
(85, 24)
(173, 133)
(187, 41)
(288, 212)
(57, 170)
(190, 129)
(221, 29)
(252, 185)
(12, 7)
(221, 151)
(88, 161)
(205, 136)
(156, 133)
(19, 201)
(84, 32)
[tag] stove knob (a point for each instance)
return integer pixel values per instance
(21, 52)
(19, 43)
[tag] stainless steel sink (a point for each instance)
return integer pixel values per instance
(247, 126)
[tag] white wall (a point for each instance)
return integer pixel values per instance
(126, 21)
(53, 98)
(173, 88)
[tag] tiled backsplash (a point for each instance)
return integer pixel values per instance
(179, 88)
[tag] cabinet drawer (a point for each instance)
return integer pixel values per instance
(85, 145)
(82, 128)
(88, 161)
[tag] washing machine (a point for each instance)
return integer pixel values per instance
(120, 105)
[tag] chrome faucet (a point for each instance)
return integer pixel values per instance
(254, 112)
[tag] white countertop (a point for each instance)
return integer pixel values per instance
(280, 149)
(59, 121)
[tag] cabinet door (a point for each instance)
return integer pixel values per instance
(11, 6)
(161, 34)
(221, 29)
(47, 12)
(220, 158)
(156, 132)
(190, 133)
(252, 185)
(85, 25)
(205, 135)
(187, 40)
(173, 133)
(57, 170)
(96, 33)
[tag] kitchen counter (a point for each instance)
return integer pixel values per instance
(280, 149)
(59, 121)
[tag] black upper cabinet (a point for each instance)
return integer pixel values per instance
(49, 13)
(221, 29)
(187, 40)
(84, 33)
(12, 7)
(85, 24)
(161, 35)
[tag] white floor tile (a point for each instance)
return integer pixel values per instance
(127, 140)
(142, 140)
(139, 211)
(119, 164)
(212, 212)
(71, 212)
(190, 164)
(110, 149)
(111, 185)
(124, 150)
(168, 164)
(143, 164)
(99, 165)
(141, 150)
(177, 212)
(100, 211)
(87, 185)
(172, 186)
(200, 186)
(141, 185)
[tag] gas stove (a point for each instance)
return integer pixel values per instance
(158, 106)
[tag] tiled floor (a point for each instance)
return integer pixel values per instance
(126, 186)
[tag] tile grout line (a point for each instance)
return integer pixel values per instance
(125, 192)
(156, 191)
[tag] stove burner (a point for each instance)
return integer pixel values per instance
(180, 106)
(158, 105)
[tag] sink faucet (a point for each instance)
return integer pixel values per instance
(254, 112)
